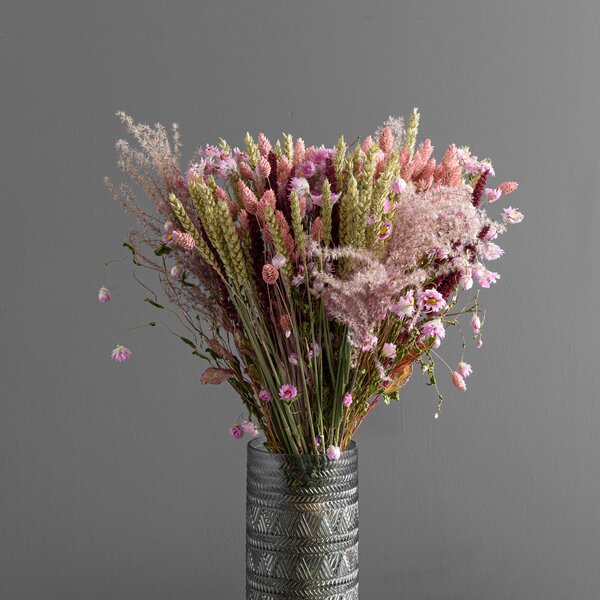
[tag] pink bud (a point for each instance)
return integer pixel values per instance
(476, 323)
(104, 295)
(265, 395)
(347, 401)
(236, 432)
(398, 185)
(333, 453)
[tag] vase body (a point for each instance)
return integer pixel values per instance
(301, 526)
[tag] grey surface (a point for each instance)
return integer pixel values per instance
(120, 482)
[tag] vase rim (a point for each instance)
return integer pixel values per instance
(257, 445)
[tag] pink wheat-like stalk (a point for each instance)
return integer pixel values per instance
(386, 141)
(458, 381)
(508, 187)
(299, 152)
(264, 145)
(264, 168)
(249, 199)
(270, 274)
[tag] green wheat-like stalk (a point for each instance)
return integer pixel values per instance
(410, 137)
(188, 225)
(234, 247)
(380, 193)
(288, 146)
(349, 209)
(252, 150)
(326, 209)
(278, 240)
(340, 158)
(299, 234)
(204, 201)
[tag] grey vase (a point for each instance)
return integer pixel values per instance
(301, 526)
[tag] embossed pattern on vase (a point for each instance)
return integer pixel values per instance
(302, 526)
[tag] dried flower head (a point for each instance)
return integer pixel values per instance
(104, 295)
(270, 274)
(120, 353)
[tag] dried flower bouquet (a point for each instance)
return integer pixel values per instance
(313, 279)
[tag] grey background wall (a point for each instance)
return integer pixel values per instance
(120, 482)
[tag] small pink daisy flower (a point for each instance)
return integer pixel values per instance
(278, 261)
(486, 278)
(300, 186)
(195, 171)
(236, 431)
(389, 350)
(466, 279)
(458, 381)
(307, 168)
(265, 395)
(227, 167)
(288, 392)
(347, 400)
(512, 215)
(333, 453)
(491, 251)
(431, 300)
(104, 295)
(434, 329)
(369, 342)
(398, 185)
(471, 165)
(120, 353)
(385, 230)
(492, 194)
(249, 428)
(405, 307)
(464, 369)
(491, 232)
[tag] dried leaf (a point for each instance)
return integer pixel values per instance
(216, 376)
(220, 350)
